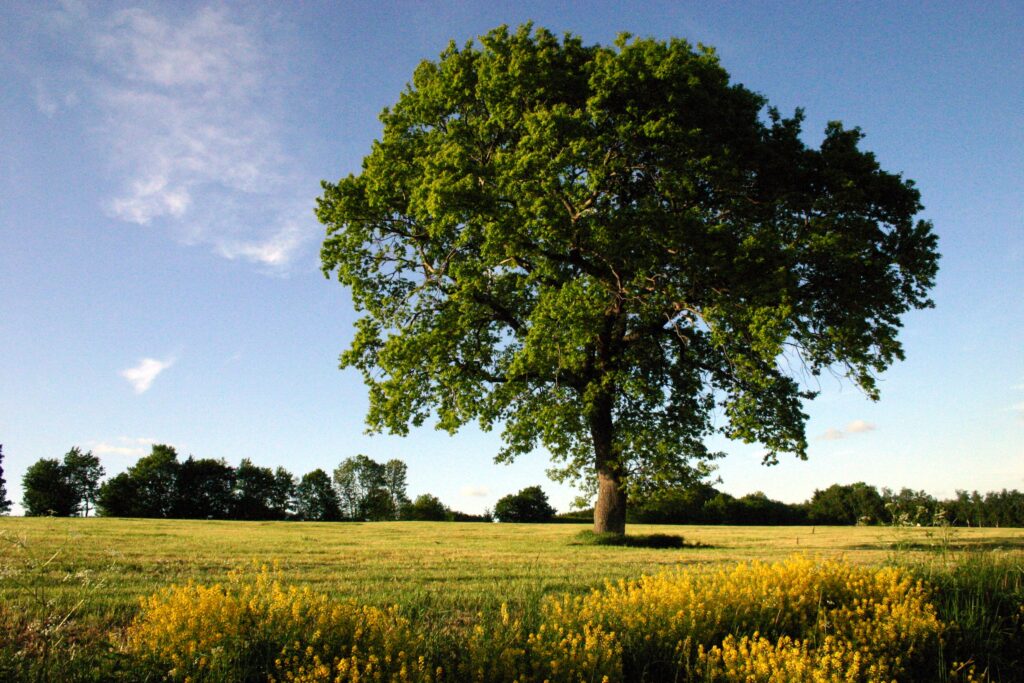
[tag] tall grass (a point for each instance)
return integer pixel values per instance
(980, 596)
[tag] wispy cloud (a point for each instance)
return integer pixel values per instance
(1019, 410)
(860, 427)
(855, 427)
(142, 375)
(474, 491)
(188, 101)
(276, 250)
(123, 446)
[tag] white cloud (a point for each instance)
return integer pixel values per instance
(855, 427)
(142, 375)
(276, 250)
(123, 446)
(832, 434)
(859, 427)
(1019, 409)
(187, 100)
(474, 491)
(151, 198)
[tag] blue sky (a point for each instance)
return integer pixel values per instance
(159, 276)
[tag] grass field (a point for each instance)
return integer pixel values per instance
(418, 565)
(97, 569)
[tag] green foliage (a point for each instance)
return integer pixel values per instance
(48, 491)
(154, 483)
(83, 472)
(118, 497)
(600, 247)
(395, 474)
(996, 508)
(5, 503)
(315, 499)
(257, 492)
(160, 486)
(205, 489)
(529, 505)
(846, 504)
(283, 496)
(369, 490)
(909, 507)
(426, 508)
(61, 488)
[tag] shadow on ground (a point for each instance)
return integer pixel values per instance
(664, 541)
(956, 544)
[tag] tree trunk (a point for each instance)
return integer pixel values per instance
(610, 510)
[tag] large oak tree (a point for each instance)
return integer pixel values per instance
(612, 252)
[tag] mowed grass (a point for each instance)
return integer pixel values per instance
(426, 568)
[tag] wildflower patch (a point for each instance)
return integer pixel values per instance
(797, 620)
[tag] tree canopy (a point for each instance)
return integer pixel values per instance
(529, 505)
(47, 490)
(612, 252)
(84, 472)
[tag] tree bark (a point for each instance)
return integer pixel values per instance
(610, 510)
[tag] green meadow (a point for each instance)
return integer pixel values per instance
(73, 585)
(416, 564)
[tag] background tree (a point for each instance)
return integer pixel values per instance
(362, 487)
(48, 491)
(205, 489)
(315, 498)
(426, 508)
(154, 479)
(5, 503)
(346, 485)
(282, 500)
(118, 497)
(395, 475)
(909, 507)
(602, 247)
(529, 505)
(83, 472)
(255, 492)
(846, 504)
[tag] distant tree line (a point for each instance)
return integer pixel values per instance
(839, 504)
(361, 489)
(159, 485)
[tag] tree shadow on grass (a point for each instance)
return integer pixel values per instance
(960, 544)
(661, 541)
